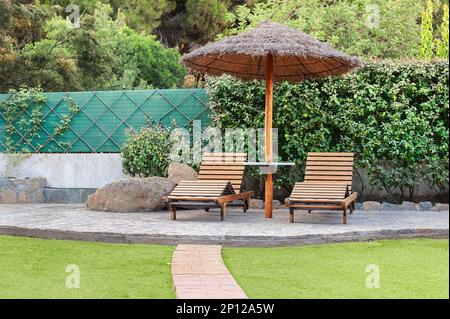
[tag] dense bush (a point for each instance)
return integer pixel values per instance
(146, 153)
(394, 116)
(103, 53)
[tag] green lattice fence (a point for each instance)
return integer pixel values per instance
(102, 119)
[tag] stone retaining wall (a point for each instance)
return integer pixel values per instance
(22, 191)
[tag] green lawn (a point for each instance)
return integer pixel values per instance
(408, 269)
(36, 268)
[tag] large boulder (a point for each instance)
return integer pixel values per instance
(131, 195)
(181, 172)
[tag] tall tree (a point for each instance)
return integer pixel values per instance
(103, 53)
(371, 28)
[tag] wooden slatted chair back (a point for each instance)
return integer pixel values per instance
(223, 167)
(329, 168)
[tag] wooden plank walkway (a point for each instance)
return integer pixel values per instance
(198, 272)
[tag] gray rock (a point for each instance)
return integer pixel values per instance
(370, 205)
(62, 195)
(359, 206)
(426, 206)
(84, 194)
(22, 190)
(181, 172)
(409, 205)
(256, 203)
(131, 195)
(259, 204)
(38, 183)
(5, 183)
(391, 206)
(440, 207)
(8, 197)
(276, 204)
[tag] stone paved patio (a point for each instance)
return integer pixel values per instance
(193, 226)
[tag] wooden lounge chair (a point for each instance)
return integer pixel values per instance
(219, 184)
(327, 185)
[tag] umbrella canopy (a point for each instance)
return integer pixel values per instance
(270, 52)
(296, 56)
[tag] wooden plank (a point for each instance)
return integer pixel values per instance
(314, 192)
(329, 182)
(319, 184)
(316, 200)
(198, 190)
(222, 163)
(328, 178)
(348, 168)
(330, 158)
(220, 173)
(343, 154)
(318, 188)
(200, 198)
(222, 168)
(195, 194)
(194, 188)
(328, 173)
(307, 207)
(204, 182)
(220, 177)
(350, 198)
(325, 163)
(233, 197)
(318, 197)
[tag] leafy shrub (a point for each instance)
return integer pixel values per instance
(394, 116)
(146, 153)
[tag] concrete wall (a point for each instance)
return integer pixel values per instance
(90, 171)
(65, 170)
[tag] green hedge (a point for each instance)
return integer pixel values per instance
(394, 116)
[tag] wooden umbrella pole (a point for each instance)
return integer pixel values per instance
(268, 135)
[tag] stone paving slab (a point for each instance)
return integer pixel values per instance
(68, 221)
(198, 272)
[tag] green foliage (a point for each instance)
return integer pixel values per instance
(394, 116)
(24, 116)
(104, 53)
(368, 28)
(434, 38)
(205, 18)
(442, 44)
(146, 153)
(141, 15)
(426, 32)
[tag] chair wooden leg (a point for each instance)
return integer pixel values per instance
(344, 217)
(291, 214)
(223, 211)
(246, 204)
(207, 209)
(173, 212)
(351, 209)
(309, 211)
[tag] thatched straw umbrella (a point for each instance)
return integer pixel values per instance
(271, 52)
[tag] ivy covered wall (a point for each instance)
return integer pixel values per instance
(394, 116)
